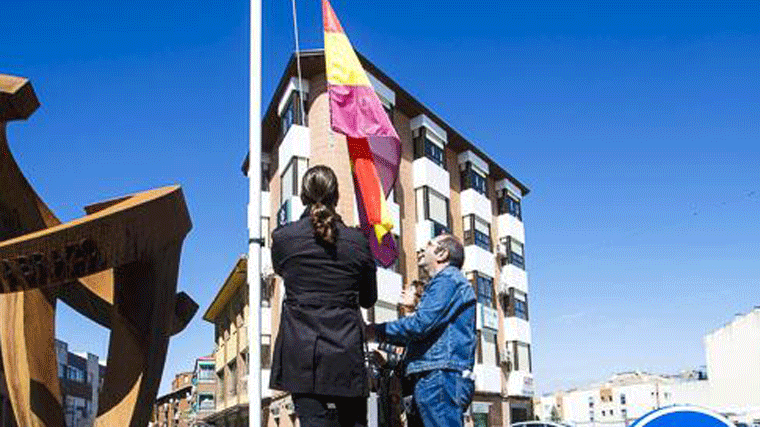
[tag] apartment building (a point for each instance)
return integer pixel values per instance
(623, 398)
(191, 398)
(229, 314)
(732, 354)
(174, 409)
(204, 388)
(446, 184)
(81, 379)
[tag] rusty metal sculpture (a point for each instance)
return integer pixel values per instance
(117, 266)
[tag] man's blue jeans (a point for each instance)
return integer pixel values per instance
(441, 398)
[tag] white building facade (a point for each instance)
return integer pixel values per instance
(733, 367)
(622, 399)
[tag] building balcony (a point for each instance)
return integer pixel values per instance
(480, 260)
(509, 225)
(487, 379)
(389, 285)
(487, 317)
(512, 277)
(516, 329)
(296, 143)
(520, 384)
(428, 174)
(473, 202)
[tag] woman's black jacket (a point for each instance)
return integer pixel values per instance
(320, 344)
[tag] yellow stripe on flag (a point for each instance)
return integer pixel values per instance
(343, 67)
(386, 225)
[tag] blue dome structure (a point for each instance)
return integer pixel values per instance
(682, 416)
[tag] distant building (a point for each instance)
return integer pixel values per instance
(81, 379)
(623, 398)
(204, 388)
(229, 314)
(174, 408)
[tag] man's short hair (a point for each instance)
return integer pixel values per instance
(456, 250)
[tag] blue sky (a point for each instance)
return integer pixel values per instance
(635, 125)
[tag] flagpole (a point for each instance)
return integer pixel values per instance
(254, 219)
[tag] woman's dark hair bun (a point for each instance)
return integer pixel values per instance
(319, 191)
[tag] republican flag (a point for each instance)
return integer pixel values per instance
(373, 144)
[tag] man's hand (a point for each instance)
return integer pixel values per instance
(407, 297)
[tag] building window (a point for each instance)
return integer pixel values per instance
(590, 402)
(485, 290)
(622, 399)
(591, 415)
(266, 346)
(232, 380)
(488, 352)
(624, 413)
(477, 232)
(427, 145)
(220, 385)
(74, 374)
(514, 252)
(522, 362)
(205, 372)
(290, 184)
(291, 114)
(509, 204)
(206, 402)
(518, 304)
(433, 206)
(473, 178)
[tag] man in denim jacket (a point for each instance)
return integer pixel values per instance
(440, 336)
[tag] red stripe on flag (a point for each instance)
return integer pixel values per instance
(329, 19)
(367, 180)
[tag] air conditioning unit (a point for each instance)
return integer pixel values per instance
(505, 356)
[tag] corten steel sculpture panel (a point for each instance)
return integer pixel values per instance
(117, 266)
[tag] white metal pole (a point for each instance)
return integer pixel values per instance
(254, 220)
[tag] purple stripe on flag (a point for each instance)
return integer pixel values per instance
(386, 151)
(356, 111)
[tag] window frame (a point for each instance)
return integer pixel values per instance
(476, 282)
(437, 227)
(508, 203)
(516, 364)
(474, 237)
(511, 257)
(512, 310)
(292, 167)
(291, 113)
(424, 146)
(469, 176)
